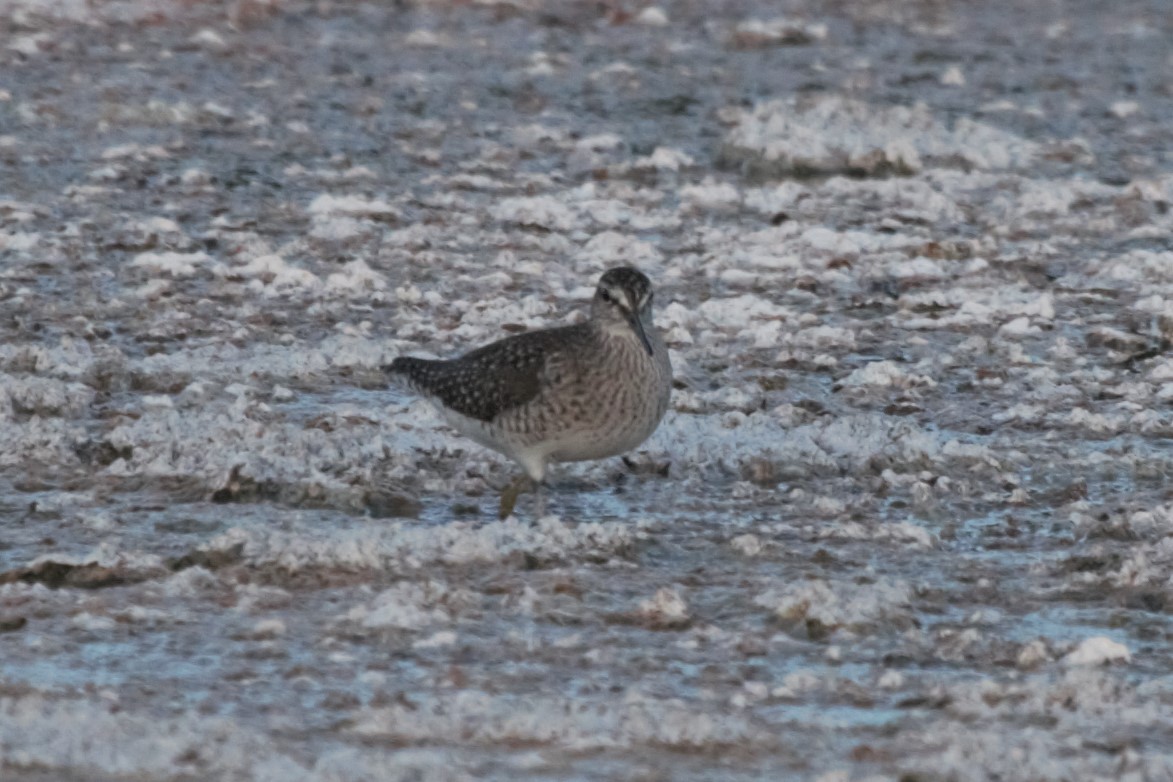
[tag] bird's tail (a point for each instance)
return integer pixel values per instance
(397, 366)
(406, 371)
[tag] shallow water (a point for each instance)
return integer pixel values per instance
(907, 518)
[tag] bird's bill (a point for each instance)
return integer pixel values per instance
(638, 327)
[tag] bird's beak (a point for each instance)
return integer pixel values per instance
(638, 327)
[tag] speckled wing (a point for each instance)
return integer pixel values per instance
(490, 380)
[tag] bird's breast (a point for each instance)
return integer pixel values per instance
(611, 405)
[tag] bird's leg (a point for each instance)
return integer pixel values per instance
(539, 501)
(510, 493)
(519, 486)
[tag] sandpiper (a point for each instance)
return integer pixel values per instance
(595, 389)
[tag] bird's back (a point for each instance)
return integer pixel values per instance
(490, 381)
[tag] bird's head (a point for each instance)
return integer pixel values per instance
(623, 302)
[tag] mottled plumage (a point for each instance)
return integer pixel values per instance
(489, 380)
(588, 391)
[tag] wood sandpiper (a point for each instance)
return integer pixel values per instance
(595, 389)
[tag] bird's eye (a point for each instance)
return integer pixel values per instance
(605, 295)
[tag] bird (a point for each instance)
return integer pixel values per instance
(586, 391)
